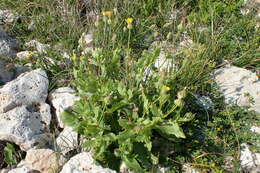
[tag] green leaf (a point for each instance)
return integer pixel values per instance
(186, 118)
(121, 89)
(130, 93)
(69, 118)
(116, 106)
(124, 123)
(146, 103)
(156, 111)
(131, 162)
(172, 129)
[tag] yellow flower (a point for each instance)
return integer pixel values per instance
(107, 13)
(74, 57)
(129, 20)
(30, 54)
(165, 88)
(218, 129)
(254, 150)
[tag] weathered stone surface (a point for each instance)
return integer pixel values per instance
(250, 5)
(189, 169)
(239, 86)
(255, 129)
(40, 47)
(25, 54)
(164, 64)
(4, 170)
(83, 163)
(19, 70)
(7, 17)
(10, 71)
(25, 127)
(22, 169)
(6, 72)
(163, 170)
(42, 160)
(161, 63)
(8, 45)
(28, 89)
(229, 166)
(250, 162)
(67, 140)
(124, 168)
(61, 99)
(86, 43)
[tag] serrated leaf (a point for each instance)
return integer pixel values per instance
(172, 129)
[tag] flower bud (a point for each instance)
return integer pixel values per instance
(179, 102)
(169, 36)
(182, 94)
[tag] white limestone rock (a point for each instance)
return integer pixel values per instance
(7, 17)
(40, 47)
(25, 127)
(6, 72)
(162, 63)
(239, 86)
(28, 89)
(42, 160)
(255, 129)
(8, 45)
(163, 169)
(61, 99)
(45, 112)
(250, 162)
(186, 42)
(19, 70)
(25, 54)
(86, 43)
(5, 170)
(124, 168)
(186, 168)
(250, 5)
(229, 166)
(67, 140)
(84, 163)
(21, 169)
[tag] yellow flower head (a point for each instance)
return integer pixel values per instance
(107, 13)
(30, 54)
(74, 57)
(129, 20)
(166, 88)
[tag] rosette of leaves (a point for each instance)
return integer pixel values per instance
(120, 111)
